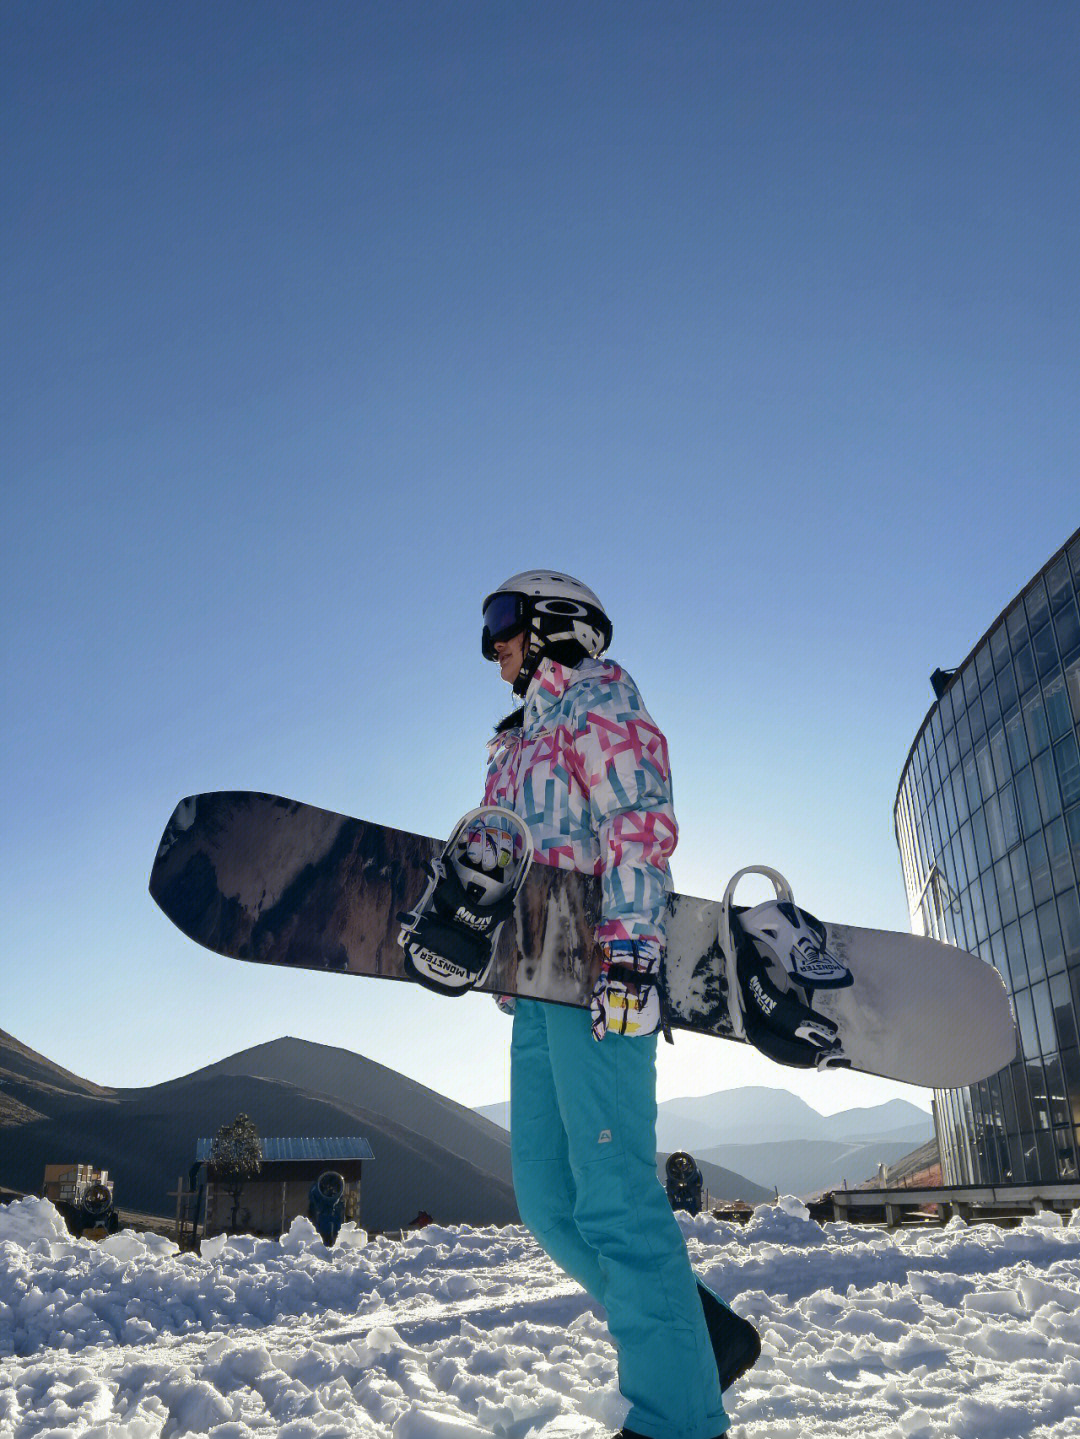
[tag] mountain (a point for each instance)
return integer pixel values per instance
(759, 1139)
(352, 1081)
(921, 1167)
(779, 1141)
(429, 1152)
(758, 1113)
(25, 1074)
(897, 1119)
(747, 1116)
(808, 1166)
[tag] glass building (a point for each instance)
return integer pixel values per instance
(988, 825)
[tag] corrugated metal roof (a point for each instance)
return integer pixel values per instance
(328, 1148)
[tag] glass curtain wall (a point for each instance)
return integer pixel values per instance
(988, 825)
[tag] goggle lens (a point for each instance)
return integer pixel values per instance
(504, 615)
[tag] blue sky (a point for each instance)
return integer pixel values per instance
(319, 321)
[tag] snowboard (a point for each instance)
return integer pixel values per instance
(274, 881)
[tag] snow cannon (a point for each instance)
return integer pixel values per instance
(683, 1182)
(326, 1204)
(93, 1215)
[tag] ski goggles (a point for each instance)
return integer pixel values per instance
(504, 617)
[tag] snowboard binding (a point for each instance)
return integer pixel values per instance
(775, 960)
(449, 936)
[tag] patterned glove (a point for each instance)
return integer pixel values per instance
(626, 998)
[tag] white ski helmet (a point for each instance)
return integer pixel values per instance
(559, 616)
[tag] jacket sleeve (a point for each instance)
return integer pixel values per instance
(623, 765)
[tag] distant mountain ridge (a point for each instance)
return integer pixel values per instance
(780, 1142)
(759, 1114)
(806, 1167)
(745, 1116)
(771, 1139)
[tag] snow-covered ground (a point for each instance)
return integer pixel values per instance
(962, 1333)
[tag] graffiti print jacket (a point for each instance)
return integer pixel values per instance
(588, 772)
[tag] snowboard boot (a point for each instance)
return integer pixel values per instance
(735, 1341)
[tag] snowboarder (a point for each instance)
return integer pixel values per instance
(582, 761)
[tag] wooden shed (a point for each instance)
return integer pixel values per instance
(290, 1166)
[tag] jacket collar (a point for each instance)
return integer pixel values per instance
(546, 689)
(547, 686)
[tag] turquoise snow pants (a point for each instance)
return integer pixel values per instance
(583, 1141)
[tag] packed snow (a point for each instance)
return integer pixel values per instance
(961, 1332)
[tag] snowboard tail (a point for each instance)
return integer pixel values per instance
(273, 881)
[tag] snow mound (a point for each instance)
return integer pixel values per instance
(785, 1222)
(26, 1221)
(126, 1244)
(970, 1332)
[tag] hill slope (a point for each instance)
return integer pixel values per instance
(355, 1082)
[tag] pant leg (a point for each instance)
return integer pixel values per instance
(606, 1096)
(543, 1181)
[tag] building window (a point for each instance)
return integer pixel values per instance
(1038, 732)
(1069, 915)
(1068, 766)
(1057, 844)
(1025, 670)
(1046, 782)
(1025, 1023)
(1007, 691)
(1059, 584)
(1044, 650)
(1017, 738)
(1036, 604)
(1064, 1018)
(1067, 628)
(1072, 685)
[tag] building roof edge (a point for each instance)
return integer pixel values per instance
(1062, 549)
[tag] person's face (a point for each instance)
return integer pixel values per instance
(510, 655)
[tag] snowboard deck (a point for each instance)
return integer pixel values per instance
(274, 881)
